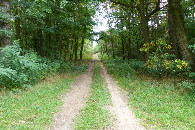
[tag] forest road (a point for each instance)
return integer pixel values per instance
(74, 100)
(124, 118)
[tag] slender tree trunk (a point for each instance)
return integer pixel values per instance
(71, 51)
(129, 48)
(129, 40)
(144, 24)
(76, 48)
(178, 30)
(66, 50)
(35, 43)
(4, 41)
(158, 26)
(107, 50)
(83, 42)
(82, 45)
(41, 51)
(17, 25)
(113, 52)
(123, 42)
(123, 49)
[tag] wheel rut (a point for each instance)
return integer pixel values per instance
(74, 100)
(124, 117)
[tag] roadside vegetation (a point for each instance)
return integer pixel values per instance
(159, 103)
(34, 107)
(94, 115)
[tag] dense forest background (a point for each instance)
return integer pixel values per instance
(36, 34)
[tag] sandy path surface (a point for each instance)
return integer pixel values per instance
(124, 117)
(74, 100)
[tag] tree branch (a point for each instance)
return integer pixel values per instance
(155, 10)
(122, 4)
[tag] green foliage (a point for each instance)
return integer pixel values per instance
(188, 85)
(18, 70)
(51, 27)
(117, 65)
(162, 63)
(192, 47)
(5, 33)
(138, 66)
(3, 17)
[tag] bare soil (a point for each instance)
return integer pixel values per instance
(74, 100)
(124, 117)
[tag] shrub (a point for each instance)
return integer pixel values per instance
(17, 70)
(117, 65)
(162, 63)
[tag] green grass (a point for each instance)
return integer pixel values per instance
(94, 115)
(160, 105)
(34, 107)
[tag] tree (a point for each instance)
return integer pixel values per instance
(143, 9)
(5, 25)
(177, 27)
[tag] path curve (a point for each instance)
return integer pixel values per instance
(74, 100)
(125, 119)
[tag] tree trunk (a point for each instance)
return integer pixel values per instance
(123, 42)
(66, 50)
(158, 25)
(76, 48)
(123, 49)
(113, 53)
(129, 40)
(82, 45)
(4, 40)
(144, 24)
(71, 51)
(17, 26)
(107, 50)
(41, 51)
(178, 30)
(172, 37)
(129, 48)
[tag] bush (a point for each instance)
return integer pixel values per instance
(162, 63)
(117, 65)
(138, 66)
(18, 70)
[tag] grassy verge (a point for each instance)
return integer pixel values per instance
(94, 115)
(160, 105)
(33, 108)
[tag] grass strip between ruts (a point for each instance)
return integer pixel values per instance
(94, 115)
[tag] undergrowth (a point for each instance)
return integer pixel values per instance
(160, 105)
(94, 115)
(21, 68)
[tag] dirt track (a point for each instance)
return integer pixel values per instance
(124, 117)
(75, 100)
